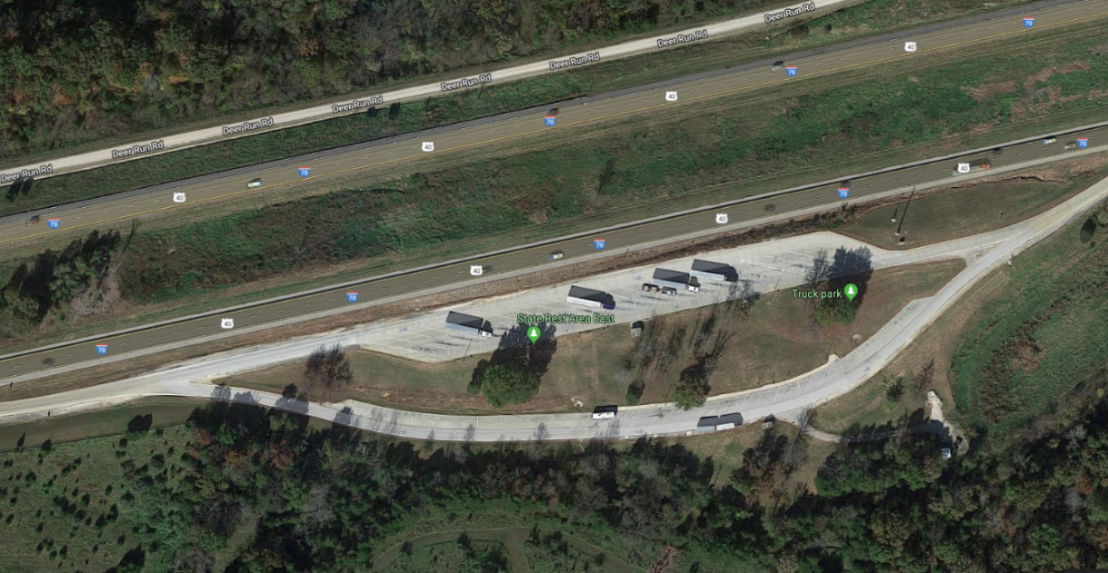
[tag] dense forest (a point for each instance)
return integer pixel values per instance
(74, 71)
(277, 495)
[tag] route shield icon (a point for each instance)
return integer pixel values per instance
(550, 120)
(476, 270)
(428, 146)
(54, 223)
(227, 323)
(1028, 22)
(963, 168)
(671, 96)
(721, 218)
(1082, 143)
(351, 297)
(599, 244)
(305, 172)
(909, 46)
(791, 71)
(844, 192)
(101, 349)
(178, 197)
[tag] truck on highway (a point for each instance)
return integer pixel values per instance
(468, 324)
(33, 220)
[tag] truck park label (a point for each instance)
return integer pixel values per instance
(248, 126)
(138, 149)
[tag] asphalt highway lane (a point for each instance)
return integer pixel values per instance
(79, 218)
(408, 284)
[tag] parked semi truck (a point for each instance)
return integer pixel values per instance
(590, 297)
(468, 324)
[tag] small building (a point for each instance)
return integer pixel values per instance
(714, 271)
(946, 453)
(767, 423)
(636, 329)
(675, 279)
(468, 324)
(590, 297)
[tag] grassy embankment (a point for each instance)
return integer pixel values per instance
(869, 18)
(1025, 347)
(778, 339)
(653, 164)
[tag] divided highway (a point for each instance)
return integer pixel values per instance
(782, 399)
(742, 213)
(146, 148)
(78, 218)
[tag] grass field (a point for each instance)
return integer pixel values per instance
(865, 19)
(521, 549)
(67, 506)
(780, 339)
(1025, 349)
(655, 164)
(109, 422)
(973, 208)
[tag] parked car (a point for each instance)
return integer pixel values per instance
(647, 287)
(669, 290)
(556, 255)
(255, 183)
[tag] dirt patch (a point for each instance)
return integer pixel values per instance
(986, 91)
(1026, 355)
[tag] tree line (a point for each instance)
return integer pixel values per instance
(310, 499)
(76, 71)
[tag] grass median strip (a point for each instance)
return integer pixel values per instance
(869, 18)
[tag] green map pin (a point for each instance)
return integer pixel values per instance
(851, 291)
(533, 333)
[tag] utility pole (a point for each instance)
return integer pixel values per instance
(905, 214)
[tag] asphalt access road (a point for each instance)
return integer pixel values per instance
(78, 218)
(84, 352)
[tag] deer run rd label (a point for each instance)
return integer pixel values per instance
(248, 126)
(138, 149)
